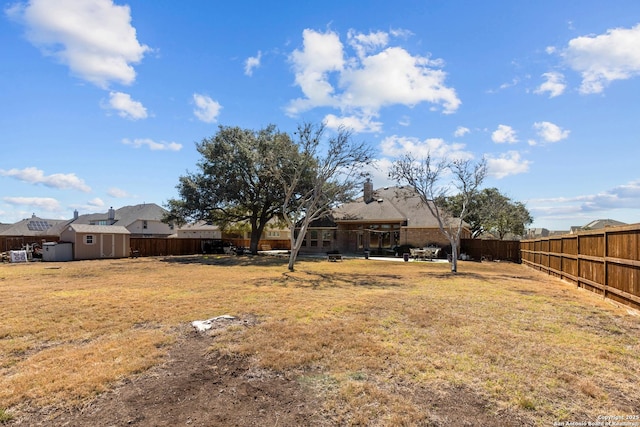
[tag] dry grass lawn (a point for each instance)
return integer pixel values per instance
(369, 338)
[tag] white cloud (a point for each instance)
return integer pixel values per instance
(598, 205)
(461, 131)
(554, 84)
(96, 202)
(47, 203)
(404, 121)
(506, 164)
(118, 193)
(153, 146)
(604, 58)
(393, 76)
(397, 146)
(377, 76)
(514, 82)
(94, 38)
(504, 134)
(355, 123)
(550, 132)
(57, 180)
(126, 107)
(322, 53)
(366, 43)
(251, 63)
(207, 110)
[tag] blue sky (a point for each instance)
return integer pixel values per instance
(103, 101)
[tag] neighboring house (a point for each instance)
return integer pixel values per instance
(198, 230)
(276, 231)
(535, 233)
(275, 234)
(598, 224)
(143, 220)
(29, 231)
(97, 241)
(379, 221)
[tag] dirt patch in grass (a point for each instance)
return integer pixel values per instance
(199, 387)
(192, 387)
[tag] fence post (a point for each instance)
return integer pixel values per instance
(606, 267)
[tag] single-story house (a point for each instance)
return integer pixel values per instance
(379, 221)
(30, 231)
(97, 241)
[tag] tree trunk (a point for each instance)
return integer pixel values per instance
(292, 258)
(256, 232)
(296, 244)
(454, 256)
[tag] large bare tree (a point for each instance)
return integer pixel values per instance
(425, 177)
(316, 174)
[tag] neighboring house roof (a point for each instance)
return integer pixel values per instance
(602, 223)
(98, 229)
(35, 227)
(388, 204)
(4, 227)
(127, 215)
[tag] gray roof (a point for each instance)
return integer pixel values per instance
(99, 229)
(35, 227)
(602, 223)
(390, 204)
(127, 215)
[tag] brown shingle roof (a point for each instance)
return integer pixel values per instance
(389, 204)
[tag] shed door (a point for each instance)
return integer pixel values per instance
(107, 246)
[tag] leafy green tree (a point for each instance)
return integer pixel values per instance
(234, 183)
(492, 212)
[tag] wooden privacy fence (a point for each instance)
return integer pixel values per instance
(11, 243)
(479, 249)
(604, 261)
(150, 246)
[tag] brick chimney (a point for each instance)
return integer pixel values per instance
(368, 191)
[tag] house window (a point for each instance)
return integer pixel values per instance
(313, 237)
(88, 239)
(326, 238)
(273, 234)
(144, 224)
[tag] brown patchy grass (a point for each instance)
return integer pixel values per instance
(373, 339)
